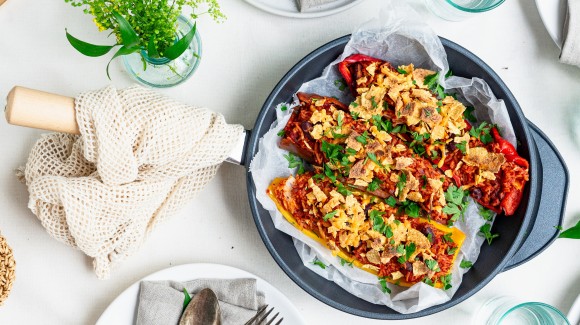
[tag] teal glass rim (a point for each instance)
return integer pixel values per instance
(475, 11)
(541, 304)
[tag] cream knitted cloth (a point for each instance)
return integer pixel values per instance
(140, 157)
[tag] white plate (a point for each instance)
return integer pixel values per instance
(124, 308)
(289, 8)
(553, 13)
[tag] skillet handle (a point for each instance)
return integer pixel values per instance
(555, 180)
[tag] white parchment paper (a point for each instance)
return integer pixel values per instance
(397, 36)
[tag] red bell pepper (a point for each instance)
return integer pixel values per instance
(344, 68)
(508, 150)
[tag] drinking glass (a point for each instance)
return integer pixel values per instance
(506, 310)
(457, 10)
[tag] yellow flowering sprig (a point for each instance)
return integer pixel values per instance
(153, 21)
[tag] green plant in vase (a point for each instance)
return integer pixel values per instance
(153, 33)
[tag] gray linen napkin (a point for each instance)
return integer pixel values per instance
(161, 302)
(571, 34)
(304, 5)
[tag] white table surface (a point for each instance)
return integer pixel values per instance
(250, 53)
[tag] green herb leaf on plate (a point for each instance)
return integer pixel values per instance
(572, 233)
(465, 264)
(432, 265)
(187, 298)
(319, 263)
(329, 215)
(485, 231)
(446, 281)
(384, 287)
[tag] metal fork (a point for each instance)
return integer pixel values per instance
(261, 317)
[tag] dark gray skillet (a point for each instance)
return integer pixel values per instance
(522, 236)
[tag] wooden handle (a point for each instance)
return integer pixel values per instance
(41, 110)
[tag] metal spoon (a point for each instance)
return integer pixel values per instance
(203, 309)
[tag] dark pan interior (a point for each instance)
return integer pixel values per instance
(492, 259)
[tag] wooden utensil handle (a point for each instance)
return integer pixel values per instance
(41, 110)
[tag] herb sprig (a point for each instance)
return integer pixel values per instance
(455, 203)
(485, 231)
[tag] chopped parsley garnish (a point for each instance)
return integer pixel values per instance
(332, 151)
(354, 104)
(428, 281)
(462, 146)
(431, 82)
(341, 84)
(344, 262)
(432, 265)
(465, 264)
(283, 108)
(411, 208)
(430, 237)
(379, 223)
(391, 201)
(384, 287)
(318, 177)
(342, 190)
(455, 206)
(374, 185)
(338, 135)
(350, 152)
(451, 250)
(295, 162)
(448, 74)
(410, 249)
(374, 159)
(373, 102)
(485, 213)
(355, 115)
(468, 114)
(485, 231)
(401, 128)
(401, 71)
(446, 281)
(377, 121)
(417, 143)
(281, 133)
(482, 132)
(447, 237)
(319, 263)
(401, 249)
(329, 215)
(401, 182)
(363, 138)
(329, 173)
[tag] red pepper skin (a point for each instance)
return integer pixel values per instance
(508, 150)
(511, 200)
(343, 67)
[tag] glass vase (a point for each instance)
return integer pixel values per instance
(162, 72)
